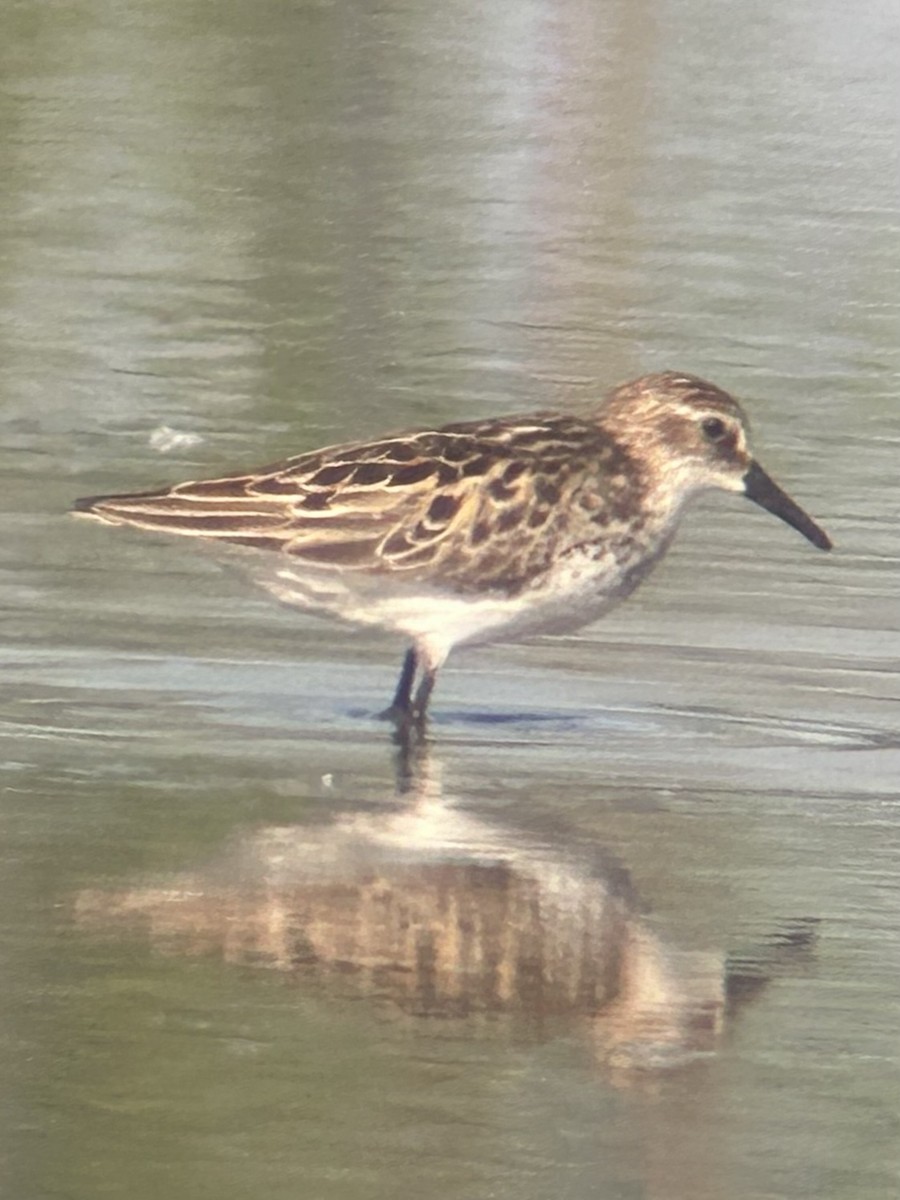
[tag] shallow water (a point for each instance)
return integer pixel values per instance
(273, 228)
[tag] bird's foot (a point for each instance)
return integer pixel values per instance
(407, 722)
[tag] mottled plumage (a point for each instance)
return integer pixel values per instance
(478, 531)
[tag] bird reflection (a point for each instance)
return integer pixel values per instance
(442, 914)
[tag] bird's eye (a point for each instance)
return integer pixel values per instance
(714, 429)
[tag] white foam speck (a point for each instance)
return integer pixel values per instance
(164, 439)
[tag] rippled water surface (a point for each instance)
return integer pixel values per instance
(630, 928)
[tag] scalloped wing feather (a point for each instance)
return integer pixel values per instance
(439, 504)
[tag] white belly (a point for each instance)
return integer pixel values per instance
(576, 592)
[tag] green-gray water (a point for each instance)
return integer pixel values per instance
(271, 226)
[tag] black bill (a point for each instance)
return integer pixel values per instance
(765, 492)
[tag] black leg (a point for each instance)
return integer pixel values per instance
(410, 734)
(408, 711)
(423, 695)
(403, 694)
(401, 706)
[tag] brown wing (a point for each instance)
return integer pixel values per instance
(443, 504)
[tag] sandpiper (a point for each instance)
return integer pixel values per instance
(480, 531)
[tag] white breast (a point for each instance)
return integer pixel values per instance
(578, 590)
